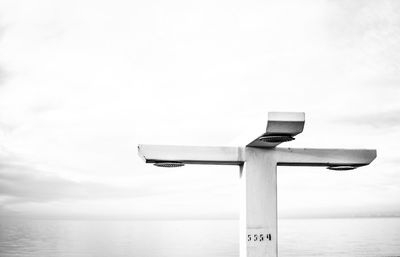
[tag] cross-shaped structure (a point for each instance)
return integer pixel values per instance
(258, 163)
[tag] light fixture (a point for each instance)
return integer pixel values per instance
(341, 167)
(276, 138)
(169, 164)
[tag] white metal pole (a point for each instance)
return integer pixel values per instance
(258, 220)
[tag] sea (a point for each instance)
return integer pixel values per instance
(194, 238)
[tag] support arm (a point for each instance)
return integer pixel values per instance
(192, 154)
(323, 157)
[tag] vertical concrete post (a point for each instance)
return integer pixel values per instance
(258, 220)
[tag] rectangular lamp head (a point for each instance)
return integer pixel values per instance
(281, 127)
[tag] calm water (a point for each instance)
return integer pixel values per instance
(303, 237)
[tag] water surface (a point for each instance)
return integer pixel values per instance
(194, 238)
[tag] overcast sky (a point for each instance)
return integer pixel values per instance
(82, 83)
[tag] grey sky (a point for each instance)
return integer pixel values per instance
(84, 82)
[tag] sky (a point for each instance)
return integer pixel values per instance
(82, 83)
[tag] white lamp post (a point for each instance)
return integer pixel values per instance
(258, 161)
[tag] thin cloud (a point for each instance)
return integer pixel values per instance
(21, 183)
(2, 76)
(387, 119)
(370, 29)
(2, 70)
(394, 161)
(389, 82)
(6, 212)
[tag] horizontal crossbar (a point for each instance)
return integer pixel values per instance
(236, 155)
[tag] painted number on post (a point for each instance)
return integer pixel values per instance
(258, 237)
